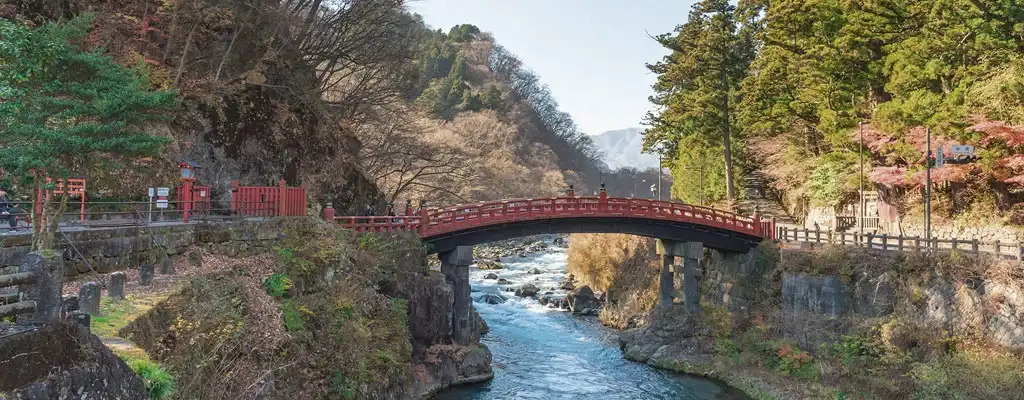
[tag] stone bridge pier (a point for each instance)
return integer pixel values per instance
(455, 267)
(690, 252)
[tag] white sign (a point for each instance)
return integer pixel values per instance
(163, 192)
(963, 150)
(151, 192)
(161, 204)
(938, 157)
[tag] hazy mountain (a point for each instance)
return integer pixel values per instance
(621, 148)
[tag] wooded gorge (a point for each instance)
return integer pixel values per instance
(344, 96)
(786, 86)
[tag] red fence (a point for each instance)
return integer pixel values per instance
(435, 221)
(263, 201)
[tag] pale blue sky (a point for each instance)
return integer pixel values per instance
(590, 52)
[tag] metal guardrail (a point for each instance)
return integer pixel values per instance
(1008, 250)
(139, 213)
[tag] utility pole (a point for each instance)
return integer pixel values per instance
(928, 190)
(860, 209)
(702, 178)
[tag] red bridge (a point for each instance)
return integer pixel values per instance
(469, 224)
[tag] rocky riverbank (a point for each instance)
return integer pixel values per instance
(566, 294)
(843, 323)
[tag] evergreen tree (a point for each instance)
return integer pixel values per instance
(64, 109)
(697, 91)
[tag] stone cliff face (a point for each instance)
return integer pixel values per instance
(438, 363)
(249, 134)
(65, 362)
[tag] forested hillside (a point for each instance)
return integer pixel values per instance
(478, 125)
(787, 87)
(359, 99)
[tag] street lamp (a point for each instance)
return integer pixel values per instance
(634, 187)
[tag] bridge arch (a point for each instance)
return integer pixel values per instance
(682, 231)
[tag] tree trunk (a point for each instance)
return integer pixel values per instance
(184, 53)
(227, 53)
(726, 139)
(170, 37)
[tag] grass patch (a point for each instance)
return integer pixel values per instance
(159, 383)
(117, 313)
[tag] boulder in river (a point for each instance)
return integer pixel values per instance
(491, 275)
(503, 281)
(533, 271)
(567, 285)
(527, 290)
(582, 299)
(492, 299)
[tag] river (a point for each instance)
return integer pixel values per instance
(543, 353)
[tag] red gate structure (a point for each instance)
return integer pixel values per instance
(74, 187)
(193, 199)
(268, 201)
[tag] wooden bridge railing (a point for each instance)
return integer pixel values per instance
(1010, 250)
(434, 221)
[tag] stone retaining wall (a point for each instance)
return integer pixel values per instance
(115, 249)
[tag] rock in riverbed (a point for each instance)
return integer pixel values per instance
(533, 271)
(503, 281)
(491, 276)
(527, 290)
(492, 299)
(582, 299)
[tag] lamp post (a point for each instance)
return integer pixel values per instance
(634, 187)
(928, 189)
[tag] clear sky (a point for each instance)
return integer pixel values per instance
(590, 52)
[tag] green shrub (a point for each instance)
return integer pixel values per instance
(292, 263)
(294, 316)
(277, 285)
(796, 362)
(160, 384)
(725, 347)
(339, 387)
(853, 350)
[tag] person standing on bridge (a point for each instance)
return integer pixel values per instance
(8, 210)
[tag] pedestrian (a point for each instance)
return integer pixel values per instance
(8, 210)
(369, 211)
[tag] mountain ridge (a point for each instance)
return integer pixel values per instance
(620, 148)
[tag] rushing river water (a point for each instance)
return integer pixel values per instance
(543, 353)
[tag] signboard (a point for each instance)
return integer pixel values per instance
(163, 192)
(161, 203)
(938, 157)
(152, 192)
(963, 150)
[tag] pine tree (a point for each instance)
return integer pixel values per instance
(65, 109)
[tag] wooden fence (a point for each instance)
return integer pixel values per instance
(1006, 250)
(17, 306)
